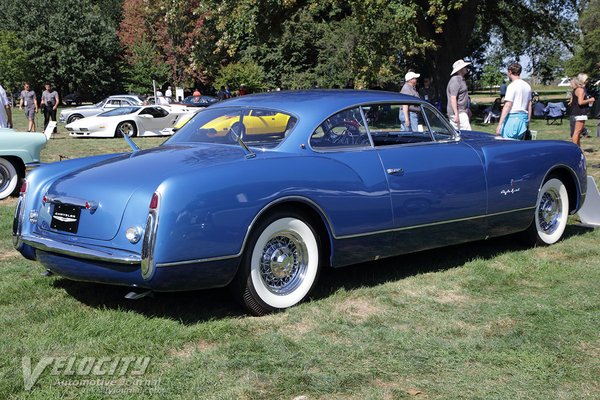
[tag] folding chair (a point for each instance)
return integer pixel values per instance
(555, 113)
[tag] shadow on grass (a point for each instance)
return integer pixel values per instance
(197, 306)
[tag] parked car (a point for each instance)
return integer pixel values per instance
(267, 213)
(130, 121)
(566, 81)
(199, 101)
(69, 115)
(72, 99)
(19, 151)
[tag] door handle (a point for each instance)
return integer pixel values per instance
(395, 171)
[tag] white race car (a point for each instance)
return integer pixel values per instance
(130, 121)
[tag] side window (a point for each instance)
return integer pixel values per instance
(388, 125)
(159, 112)
(342, 130)
(439, 128)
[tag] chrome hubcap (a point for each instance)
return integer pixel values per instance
(283, 263)
(126, 129)
(549, 211)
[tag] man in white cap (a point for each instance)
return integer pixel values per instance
(458, 96)
(409, 117)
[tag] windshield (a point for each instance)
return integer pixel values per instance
(119, 111)
(256, 126)
(199, 100)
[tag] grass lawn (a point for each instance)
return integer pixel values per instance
(486, 320)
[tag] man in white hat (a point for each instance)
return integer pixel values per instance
(458, 96)
(409, 117)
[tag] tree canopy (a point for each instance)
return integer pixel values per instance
(100, 46)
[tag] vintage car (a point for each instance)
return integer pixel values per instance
(339, 183)
(199, 101)
(130, 121)
(19, 151)
(69, 115)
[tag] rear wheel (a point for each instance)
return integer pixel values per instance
(126, 128)
(8, 178)
(551, 213)
(280, 264)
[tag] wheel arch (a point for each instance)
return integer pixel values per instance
(569, 178)
(18, 164)
(316, 217)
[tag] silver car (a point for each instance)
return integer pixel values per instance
(71, 114)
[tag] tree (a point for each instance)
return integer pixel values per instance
(249, 74)
(13, 61)
(82, 55)
(144, 66)
(587, 55)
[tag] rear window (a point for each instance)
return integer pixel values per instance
(255, 126)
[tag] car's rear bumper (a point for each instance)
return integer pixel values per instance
(117, 267)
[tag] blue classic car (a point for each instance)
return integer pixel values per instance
(262, 192)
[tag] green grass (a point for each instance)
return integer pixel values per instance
(487, 320)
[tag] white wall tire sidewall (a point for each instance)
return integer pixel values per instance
(558, 232)
(13, 178)
(302, 230)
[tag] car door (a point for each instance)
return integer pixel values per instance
(154, 119)
(357, 199)
(437, 182)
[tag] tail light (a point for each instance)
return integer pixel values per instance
(23, 189)
(154, 202)
(148, 266)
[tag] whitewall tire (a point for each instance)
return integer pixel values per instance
(9, 178)
(280, 265)
(551, 212)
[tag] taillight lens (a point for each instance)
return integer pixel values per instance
(154, 202)
(23, 187)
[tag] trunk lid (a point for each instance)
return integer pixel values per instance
(108, 186)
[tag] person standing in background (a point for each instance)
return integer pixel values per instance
(580, 105)
(458, 96)
(5, 122)
(49, 103)
(169, 93)
(516, 113)
(409, 114)
(29, 101)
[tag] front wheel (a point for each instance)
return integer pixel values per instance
(74, 118)
(280, 265)
(8, 178)
(551, 213)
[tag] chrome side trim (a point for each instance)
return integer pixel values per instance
(30, 166)
(450, 221)
(227, 257)
(97, 254)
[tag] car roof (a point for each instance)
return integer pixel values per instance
(320, 103)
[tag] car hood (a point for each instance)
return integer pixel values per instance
(129, 180)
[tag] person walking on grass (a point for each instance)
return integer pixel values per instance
(516, 113)
(29, 101)
(49, 102)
